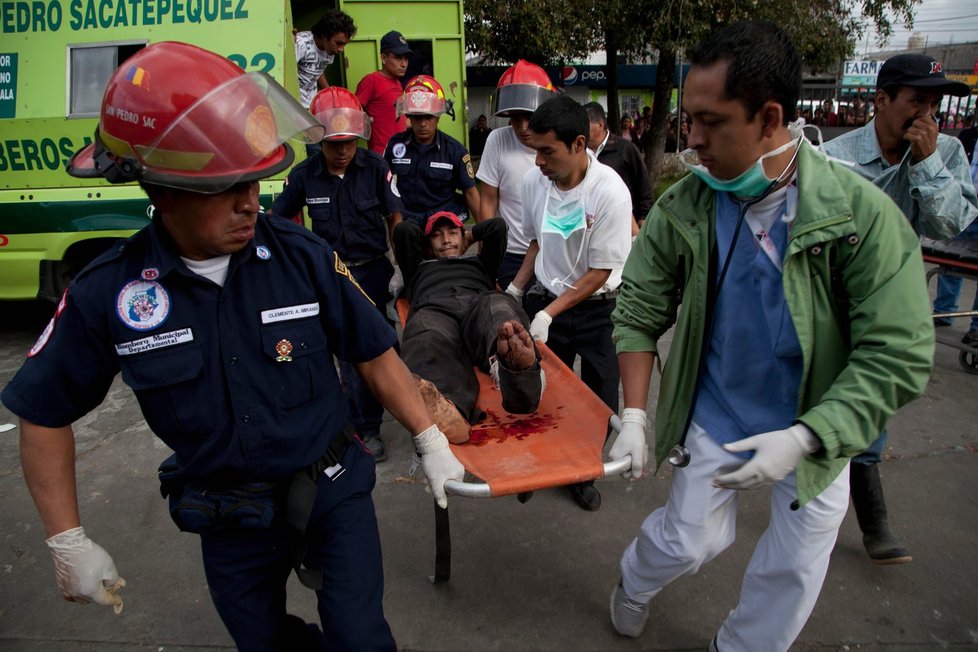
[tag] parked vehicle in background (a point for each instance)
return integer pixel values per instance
(55, 59)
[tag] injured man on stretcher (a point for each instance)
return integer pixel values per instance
(458, 320)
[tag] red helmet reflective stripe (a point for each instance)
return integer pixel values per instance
(523, 87)
(341, 113)
(177, 115)
(423, 95)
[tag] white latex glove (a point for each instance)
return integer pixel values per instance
(540, 326)
(85, 572)
(396, 283)
(513, 291)
(776, 454)
(438, 462)
(631, 441)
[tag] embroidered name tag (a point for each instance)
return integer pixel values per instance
(442, 166)
(289, 312)
(158, 341)
(317, 200)
(401, 161)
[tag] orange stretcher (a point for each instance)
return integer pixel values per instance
(559, 444)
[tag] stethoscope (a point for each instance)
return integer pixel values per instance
(679, 455)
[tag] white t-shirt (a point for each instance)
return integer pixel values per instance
(310, 61)
(605, 241)
(504, 163)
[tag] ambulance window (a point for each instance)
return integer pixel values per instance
(421, 61)
(89, 70)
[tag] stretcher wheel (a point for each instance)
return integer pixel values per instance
(969, 361)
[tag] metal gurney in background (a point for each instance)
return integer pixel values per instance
(958, 257)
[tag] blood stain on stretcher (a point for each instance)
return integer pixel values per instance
(499, 429)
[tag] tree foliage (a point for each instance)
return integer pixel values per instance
(555, 31)
(546, 33)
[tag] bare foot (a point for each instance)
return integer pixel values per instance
(514, 346)
(446, 416)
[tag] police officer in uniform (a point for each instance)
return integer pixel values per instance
(223, 322)
(430, 167)
(348, 192)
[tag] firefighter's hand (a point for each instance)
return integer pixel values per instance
(396, 283)
(85, 572)
(439, 463)
(776, 454)
(631, 441)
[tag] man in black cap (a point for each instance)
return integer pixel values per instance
(901, 151)
(926, 174)
(379, 91)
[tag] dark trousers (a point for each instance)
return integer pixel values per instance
(508, 269)
(584, 330)
(366, 412)
(441, 343)
(247, 572)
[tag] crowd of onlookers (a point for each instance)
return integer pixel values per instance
(854, 111)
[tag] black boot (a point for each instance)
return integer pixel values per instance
(867, 497)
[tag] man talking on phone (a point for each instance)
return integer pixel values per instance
(926, 174)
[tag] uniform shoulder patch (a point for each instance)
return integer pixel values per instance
(467, 159)
(343, 270)
(49, 329)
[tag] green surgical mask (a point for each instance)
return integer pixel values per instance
(754, 181)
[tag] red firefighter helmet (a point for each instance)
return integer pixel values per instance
(422, 96)
(180, 116)
(523, 87)
(341, 113)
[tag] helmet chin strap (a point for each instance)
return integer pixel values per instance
(115, 169)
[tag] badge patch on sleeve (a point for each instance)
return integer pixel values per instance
(142, 305)
(42, 340)
(468, 166)
(343, 270)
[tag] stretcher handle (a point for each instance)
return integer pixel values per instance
(482, 490)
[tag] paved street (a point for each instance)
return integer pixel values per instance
(525, 577)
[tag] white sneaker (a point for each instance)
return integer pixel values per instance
(627, 615)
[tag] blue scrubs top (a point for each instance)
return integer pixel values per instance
(754, 362)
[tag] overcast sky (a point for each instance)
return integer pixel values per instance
(941, 21)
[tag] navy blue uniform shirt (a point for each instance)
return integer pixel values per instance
(349, 212)
(238, 381)
(428, 176)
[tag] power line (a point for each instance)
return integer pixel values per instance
(941, 20)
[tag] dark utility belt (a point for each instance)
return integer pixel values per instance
(361, 263)
(201, 507)
(604, 296)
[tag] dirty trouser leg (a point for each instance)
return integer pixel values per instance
(697, 523)
(521, 389)
(432, 348)
(786, 572)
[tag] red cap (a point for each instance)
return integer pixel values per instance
(441, 215)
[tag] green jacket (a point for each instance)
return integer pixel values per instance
(867, 337)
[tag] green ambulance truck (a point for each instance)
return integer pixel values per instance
(56, 57)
